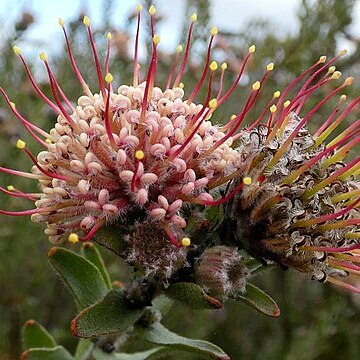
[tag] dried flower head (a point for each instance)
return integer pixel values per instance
(301, 207)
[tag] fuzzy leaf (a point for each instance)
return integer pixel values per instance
(80, 275)
(111, 315)
(91, 253)
(259, 300)
(192, 295)
(143, 355)
(55, 353)
(163, 304)
(112, 238)
(35, 336)
(83, 349)
(159, 335)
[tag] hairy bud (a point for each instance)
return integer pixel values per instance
(221, 272)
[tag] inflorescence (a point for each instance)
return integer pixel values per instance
(144, 152)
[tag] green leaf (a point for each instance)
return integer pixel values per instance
(56, 353)
(159, 335)
(256, 268)
(163, 304)
(84, 349)
(91, 253)
(253, 264)
(112, 238)
(192, 295)
(143, 355)
(111, 315)
(36, 336)
(259, 300)
(80, 275)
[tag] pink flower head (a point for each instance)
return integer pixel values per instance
(137, 150)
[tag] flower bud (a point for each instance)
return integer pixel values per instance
(221, 272)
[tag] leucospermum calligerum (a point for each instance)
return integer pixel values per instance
(143, 155)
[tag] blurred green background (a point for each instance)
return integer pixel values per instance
(317, 321)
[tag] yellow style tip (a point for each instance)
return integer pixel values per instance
(212, 103)
(214, 31)
(139, 8)
(273, 108)
(152, 10)
(343, 52)
(322, 59)
(224, 66)
(73, 238)
(139, 154)
(247, 180)
(336, 75)
(193, 17)
(109, 78)
(86, 21)
(10, 187)
(252, 49)
(43, 56)
(276, 94)
(185, 241)
(270, 67)
(232, 117)
(213, 66)
(179, 49)
(12, 104)
(331, 69)
(48, 141)
(17, 50)
(181, 85)
(286, 104)
(61, 22)
(20, 144)
(343, 98)
(348, 81)
(156, 39)
(256, 85)
(109, 35)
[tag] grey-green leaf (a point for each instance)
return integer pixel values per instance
(80, 275)
(35, 336)
(84, 349)
(112, 238)
(159, 335)
(91, 253)
(259, 300)
(56, 353)
(192, 295)
(162, 304)
(111, 315)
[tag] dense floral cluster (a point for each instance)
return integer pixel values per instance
(141, 155)
(300, 212)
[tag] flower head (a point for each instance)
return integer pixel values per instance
(136, 153)
(301, 208)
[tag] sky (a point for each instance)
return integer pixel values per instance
(226, 14)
